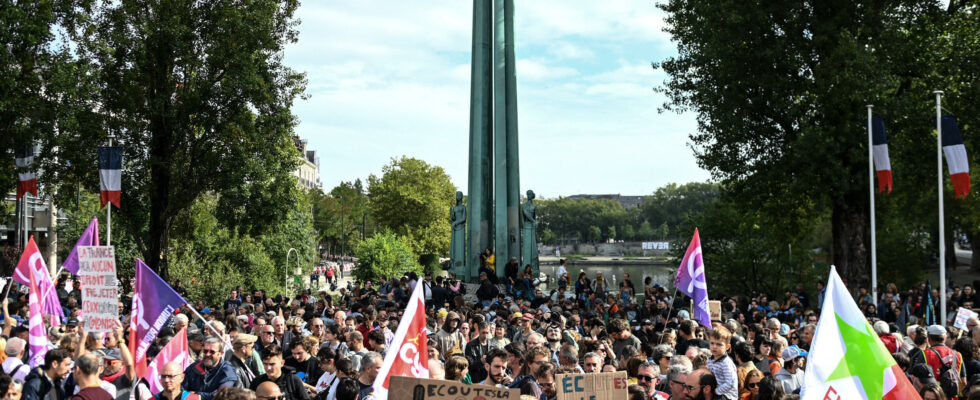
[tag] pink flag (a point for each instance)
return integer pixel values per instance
(411, 357)
(33, 262)
(38, 338)
(89, 238)
(175, 351)
(691, 280)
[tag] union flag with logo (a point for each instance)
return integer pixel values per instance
(408, 354)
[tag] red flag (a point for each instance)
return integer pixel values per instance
(26, 178)
(408, 354)
(32, 261)
(175, 351)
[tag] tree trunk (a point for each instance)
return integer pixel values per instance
(950, 249)
(850, 250)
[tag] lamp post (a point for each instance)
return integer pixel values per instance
(287, 263)
(343, 233)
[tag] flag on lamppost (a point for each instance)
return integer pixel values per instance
(883, 165)
(959, 165)
(110, 175)
(26, 178)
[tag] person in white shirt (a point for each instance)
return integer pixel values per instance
(13, 365)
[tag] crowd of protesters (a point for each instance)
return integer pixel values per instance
(510, 333)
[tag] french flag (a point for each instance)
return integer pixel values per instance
(110, 174)
(959, 166)
(26, 179)
(883, 165)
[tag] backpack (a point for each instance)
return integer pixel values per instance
(949, 378)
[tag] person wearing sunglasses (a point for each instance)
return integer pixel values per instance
(212, 372)
(751, 389)
(648, 377)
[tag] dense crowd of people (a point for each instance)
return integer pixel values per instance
(506, 333)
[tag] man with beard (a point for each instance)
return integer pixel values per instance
(211, 373)
(289, 384)
(545, 378)
(699, 385)
(592, 363)
(496, 367)
(449, 338)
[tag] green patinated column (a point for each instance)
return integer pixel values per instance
(479, 200)
(513, 160)
(502, 235)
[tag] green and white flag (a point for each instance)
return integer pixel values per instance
(847, 361)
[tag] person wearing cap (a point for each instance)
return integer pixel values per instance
(791, 375)
(13, 365)
(921, 375)
(71, 326)
(525, 328)
(938, 353)
(241, 359)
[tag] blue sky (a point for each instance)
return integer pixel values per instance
(388, 79)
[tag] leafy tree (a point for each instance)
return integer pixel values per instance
(663, 230)
(342, 216)
(547, 236)
(778, 103)
(384, 254)
(628, 232)
(611, 232)
(412, 199)
(646, 231)
(212, 259)
(594, 234)
(197, 94)
(566, 216)
(672, 204)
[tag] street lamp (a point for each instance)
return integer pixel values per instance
(287, 263)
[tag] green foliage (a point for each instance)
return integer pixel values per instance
(628, 232)
(672, 204)
(547, 236)
(384, 254)
(412, 199)
(77, 219)
(342, 216)
(781, 106)
(611, 232)
(212, 258)
(646, 231)
(198, 96)
(572, 219)
(594, 234)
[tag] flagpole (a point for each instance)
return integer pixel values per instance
(942, 227)
(871, 190)
(108, 210)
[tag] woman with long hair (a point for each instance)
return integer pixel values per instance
(750, 386)
(582, 286)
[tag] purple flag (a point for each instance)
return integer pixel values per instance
(89, 238)
(154, 301)
(690, 280)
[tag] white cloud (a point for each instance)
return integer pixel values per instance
(388, 79)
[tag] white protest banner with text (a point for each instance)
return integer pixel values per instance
(100, 294)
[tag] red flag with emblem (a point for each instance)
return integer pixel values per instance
(408, 354)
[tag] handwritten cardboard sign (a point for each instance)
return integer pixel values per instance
(408, 388)
(962, 315)
(97, 271)
(604, 386)
(714, 310)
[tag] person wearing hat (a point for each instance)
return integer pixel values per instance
(525, 328)
(938, 353)
(13, 365)
(243, 358)
(921, 375)
(71, 326)
(791, 375)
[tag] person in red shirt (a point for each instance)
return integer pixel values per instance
(87, 378)
(886, 337)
